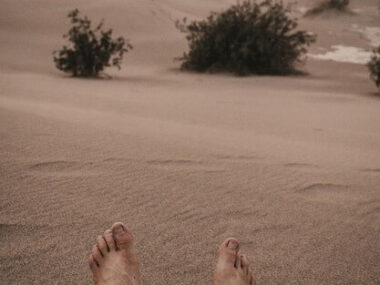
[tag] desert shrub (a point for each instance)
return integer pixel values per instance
(90, 50)
(338, 4)
(247, 38)
(329, 5)
(374, 66)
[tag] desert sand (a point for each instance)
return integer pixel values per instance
(288, 165)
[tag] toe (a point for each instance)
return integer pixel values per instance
(96, 255)
(244, 263)
(252, 280)
(109, 240)
(102, 245)
(228, 251)
(122, 236)
(238, 261)
(92, 264)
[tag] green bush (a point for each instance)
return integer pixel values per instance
(374, 66)
(338, 4)
(89, 50)
(247, 38)
(330, 5)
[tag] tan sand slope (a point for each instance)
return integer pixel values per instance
(289, 165)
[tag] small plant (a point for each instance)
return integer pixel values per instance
(329, 5)
(247, 38)
(338, 4)
(374, 66)
(90, 50)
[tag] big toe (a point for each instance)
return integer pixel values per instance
(122, 236)
(228, 251)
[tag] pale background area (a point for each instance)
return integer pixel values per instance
(288, 165)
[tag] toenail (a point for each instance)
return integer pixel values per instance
(232, 244)
(119, 230)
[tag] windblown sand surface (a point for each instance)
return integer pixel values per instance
(289, 165)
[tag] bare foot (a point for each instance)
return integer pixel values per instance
(113, 260)
(232, 268)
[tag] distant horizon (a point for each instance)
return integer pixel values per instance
(199, 167)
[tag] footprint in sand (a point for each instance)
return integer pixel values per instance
(374, 211)
(245, 158)
(300, 165)
(372, 170)
(370, 209)
(175, 162)
(328, 192)
(53, 165)
(60, 168)
(185, 164)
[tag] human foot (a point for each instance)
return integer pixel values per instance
(231, 267)
(113, 260)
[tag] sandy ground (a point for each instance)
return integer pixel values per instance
(289, 165)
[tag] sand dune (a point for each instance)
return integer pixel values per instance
(289, 165)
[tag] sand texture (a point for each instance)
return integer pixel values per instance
(288, 165)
